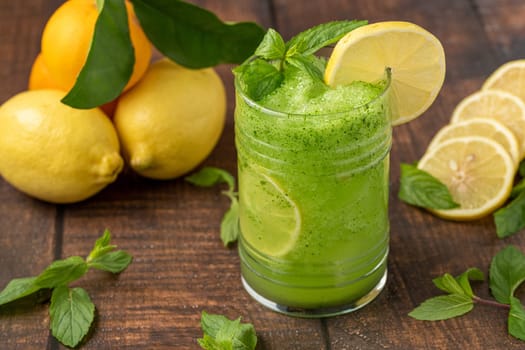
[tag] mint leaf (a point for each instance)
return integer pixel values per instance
(230, 224)
(101, 247)
(114, 262)
(443, 307)
(315, 38)
(517, 189)
(211, 176)
(419, 188)
(511, 218)
(209, 343)
(62, 272)
(507, 272)
(110, 61)
(104, 258)
(305, 64)
(18, 288)
(272, 46)
(521, 168)
(195, 37)
(259, 78)
(221, 333)
(72, 314)
(516, 319)
(448, 284)
(464, 279)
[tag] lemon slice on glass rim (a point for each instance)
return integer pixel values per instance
(478, 172)
(414, 55)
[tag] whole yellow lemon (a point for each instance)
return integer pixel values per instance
(54, 152)
(171, 120)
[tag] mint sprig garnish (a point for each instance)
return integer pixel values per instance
(265, 71)
(220, 333)
(417, 187)
(211, 176)
(507, 273)
(71, 310)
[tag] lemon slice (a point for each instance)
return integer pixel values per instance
(478, 172)
(270, 220)
(490, 128)
(509, 77)
(500, 105)
(415, 56)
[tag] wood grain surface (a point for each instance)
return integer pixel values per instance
(171, 228)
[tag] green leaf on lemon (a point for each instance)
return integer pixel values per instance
(419, 188)
(110, 61)
(195, 37)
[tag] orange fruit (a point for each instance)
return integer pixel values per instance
(40, 77)
(67, 38)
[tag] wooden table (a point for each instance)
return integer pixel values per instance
(171, 228)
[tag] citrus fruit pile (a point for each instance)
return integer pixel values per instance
(167, 120)
(477, 154)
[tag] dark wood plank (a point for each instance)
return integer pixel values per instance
(27, 238)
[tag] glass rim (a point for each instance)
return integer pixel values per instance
(276, 113)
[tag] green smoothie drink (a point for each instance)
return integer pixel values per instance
(313, 168)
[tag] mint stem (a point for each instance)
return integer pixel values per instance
(490, 302)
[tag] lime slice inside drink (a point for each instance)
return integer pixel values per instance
(270, 220)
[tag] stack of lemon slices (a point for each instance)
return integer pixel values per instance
(476, 156)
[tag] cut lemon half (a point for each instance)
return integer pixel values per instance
(270, 220)
(500, 105)
(414, 55)
(478, 172)
(509, 77)
(490, 128)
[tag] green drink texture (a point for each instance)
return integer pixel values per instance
(313, 166)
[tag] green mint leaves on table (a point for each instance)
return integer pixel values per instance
(71, 311)
(511, 218)
(264, 72)
(507, 273)
(185, 33)
(211, 176)
(419, 188)
(221, 333)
